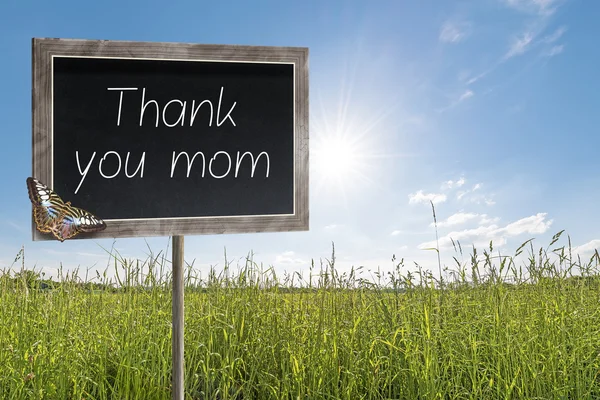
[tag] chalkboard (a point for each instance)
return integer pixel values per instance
(172, 138)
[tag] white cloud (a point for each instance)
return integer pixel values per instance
(452, 184)
(477, 236)
(555, 50)
(534, 224)
(482, 235)
(475, 198)
(421, 197)
(556, 35)
(485, 220)
(479, 76)
(467, 94)
(457, 219)
(520, 45)
(288, 258)
(454, 31)
(541, 7)
(398, 232)
(331, 227)
(587, 249)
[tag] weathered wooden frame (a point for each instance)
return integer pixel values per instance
(43, 51)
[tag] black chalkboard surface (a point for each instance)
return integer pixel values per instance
(176, 137)
(114, 118)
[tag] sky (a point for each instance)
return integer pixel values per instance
(487, 108)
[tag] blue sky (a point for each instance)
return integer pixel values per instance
(488, 108)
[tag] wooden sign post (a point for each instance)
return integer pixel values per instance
(173, 139)
(177, 317)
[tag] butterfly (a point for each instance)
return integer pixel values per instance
(52, 215)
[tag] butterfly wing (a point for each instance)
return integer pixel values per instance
(47, 205)
(84, 220)
(63, 229)
(74, 221)
(52, 215)
(43, 219)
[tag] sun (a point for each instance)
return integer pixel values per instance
(353, 139)
(335, 158)
(341, 163)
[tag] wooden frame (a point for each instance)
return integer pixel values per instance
(42, 129)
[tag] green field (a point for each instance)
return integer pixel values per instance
(252, 335)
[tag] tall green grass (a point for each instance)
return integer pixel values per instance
(490, 329)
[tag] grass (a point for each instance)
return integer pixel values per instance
(489, 330)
